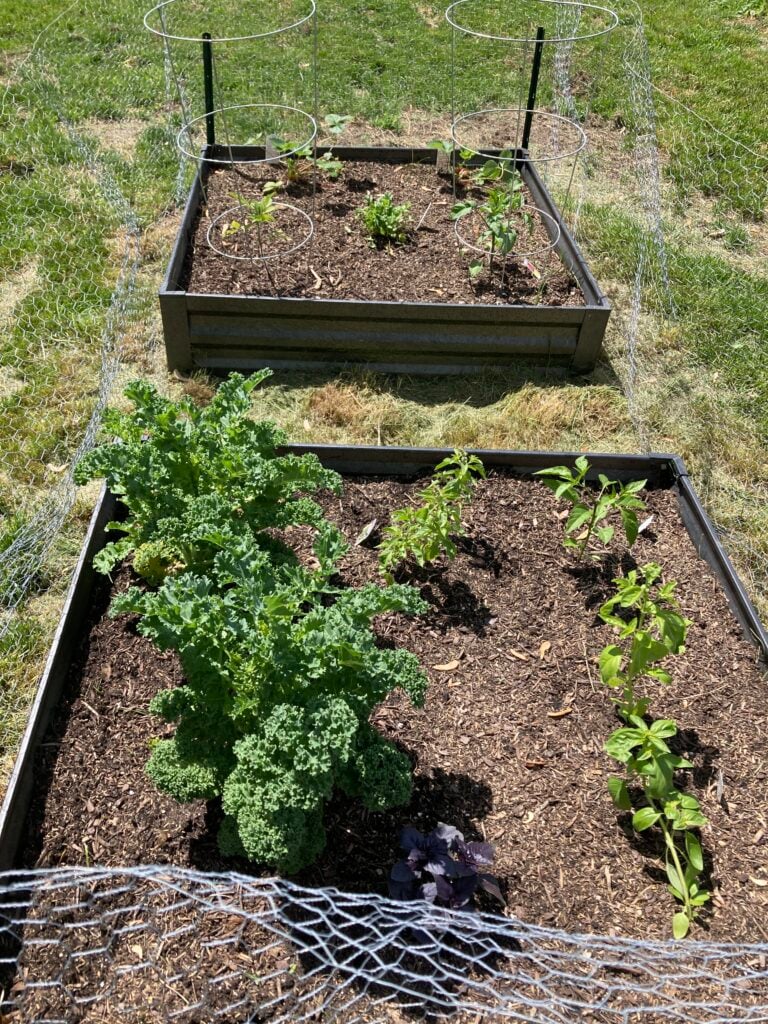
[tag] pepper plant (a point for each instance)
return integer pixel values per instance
(648, 620)
(503, 216)
(257, 213)
(195, 480)
(590, 509)
(651, 768)
(644, 612)
(424, 531)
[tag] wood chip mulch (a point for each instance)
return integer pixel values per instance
(508, 746)
(341, 263)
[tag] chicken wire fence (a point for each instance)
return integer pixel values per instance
(157, 944)
(669, 211)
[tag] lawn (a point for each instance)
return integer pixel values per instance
(93, 175)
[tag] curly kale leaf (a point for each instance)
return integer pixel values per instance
(377, 772)
(282, 673)
(194, 479)
(276, 793)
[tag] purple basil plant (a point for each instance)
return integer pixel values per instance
(442, 868)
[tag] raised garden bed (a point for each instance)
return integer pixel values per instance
(510, 590)
(507, 746)
(409, 309)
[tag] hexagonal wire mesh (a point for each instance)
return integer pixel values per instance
(669, 210)
(160, 944)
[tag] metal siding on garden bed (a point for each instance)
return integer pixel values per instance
(251, 331)
(665, 472)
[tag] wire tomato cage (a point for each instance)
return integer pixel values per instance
(524, 132)
(244, 136)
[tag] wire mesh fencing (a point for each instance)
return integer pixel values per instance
(160, 944)
(670, 211)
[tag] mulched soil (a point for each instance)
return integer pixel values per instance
(341, 263)
(508, 746)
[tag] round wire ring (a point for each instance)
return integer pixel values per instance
(271, 256)
(514, 110)
(222, 39)
(186, 128)
(449, 17)
(514, 255)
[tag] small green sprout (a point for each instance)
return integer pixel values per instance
(424, 531)
(258, 212)
(329, 164)
(383, 219)
(589, 509)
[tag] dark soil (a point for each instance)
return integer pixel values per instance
(341, 263)
(508, 746)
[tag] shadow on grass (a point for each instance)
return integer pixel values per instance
(476, 390)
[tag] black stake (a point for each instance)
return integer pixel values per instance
(534, 87)
(210, 124)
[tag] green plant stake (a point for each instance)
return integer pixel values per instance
(589, 509)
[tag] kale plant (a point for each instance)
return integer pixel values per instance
(442, 868)
(589, 509)
(648, 618)
(424, 531)
(383, 219)
(196, 480)
(281, 673)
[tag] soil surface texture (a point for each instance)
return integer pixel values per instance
(508, 746)
(340, 262)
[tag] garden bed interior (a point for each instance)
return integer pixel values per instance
(429, 266)
(410, 307)
(508, 746)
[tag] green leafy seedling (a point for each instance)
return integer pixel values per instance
(383, 219)
(503, 216)
(424, 531)
(336, 123)
(590, 509)
(329, 164)
(649, 623)
(258, 212)
(296, 161)
(651, 765)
